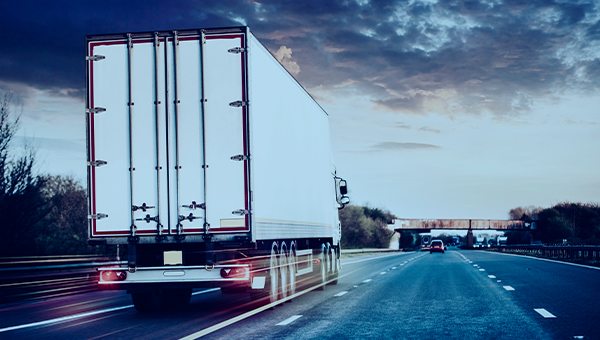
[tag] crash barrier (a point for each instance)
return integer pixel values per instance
(584, 254)
(39, 277)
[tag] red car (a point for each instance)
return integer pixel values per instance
(436, 245)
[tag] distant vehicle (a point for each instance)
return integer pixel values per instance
(501, 240)
(425, 242)
(437, 246)
(455, 241)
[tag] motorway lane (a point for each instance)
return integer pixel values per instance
(423, 296)
(205, 310)
(569, 292)
(399, 295)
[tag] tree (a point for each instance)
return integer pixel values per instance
(22, 204)
(524, 213)
(64, 228)
(362, 231)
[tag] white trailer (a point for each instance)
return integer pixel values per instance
(210, 163)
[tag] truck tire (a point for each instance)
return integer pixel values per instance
(274, 285)
(293, 267)
(284, 271)
(335, 265)
(323, 267)
(147, 302)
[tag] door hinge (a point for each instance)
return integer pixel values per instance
(237, 50)
(95, 110)
(148, 218)
(143, 207)
(189, 217)
(241, 212)
(239, 103)
(98, 162)
(98, 216)
(195, 205)
(95, 57)
(240, 158)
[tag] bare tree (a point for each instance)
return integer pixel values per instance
(22, 204)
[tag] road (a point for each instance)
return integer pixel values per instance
(457, 295)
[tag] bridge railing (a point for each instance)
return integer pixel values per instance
(579, 253)
(39, 277)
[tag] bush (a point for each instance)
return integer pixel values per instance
(362, 231)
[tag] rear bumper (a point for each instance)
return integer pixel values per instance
(175, 274)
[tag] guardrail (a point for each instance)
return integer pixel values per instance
(585, 254)
(41, 277)
(29, 278)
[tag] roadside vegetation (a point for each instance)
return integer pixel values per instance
(39, 214)
(365, 227)
(578, 223)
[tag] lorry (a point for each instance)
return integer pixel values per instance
(209, 165)
(425, 242)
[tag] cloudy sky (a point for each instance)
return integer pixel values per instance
(438, 109)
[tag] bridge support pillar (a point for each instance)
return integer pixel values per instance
(470, 237)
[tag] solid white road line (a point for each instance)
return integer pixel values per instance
(253, 312)
(82, 315)
(545, 313)
(63, 319)
(509, 288)
(341, 294)
(289, 320)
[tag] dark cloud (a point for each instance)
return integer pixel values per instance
(397, 146)
(451, 57)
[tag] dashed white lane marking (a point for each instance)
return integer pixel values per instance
(289, 320)
(499, 281)
(481, 269)
(545, 313)
(394, 267)
(367, 280)
(82, 315)
(509, 288)
(491, 276)
(383, 273)
(341, 294)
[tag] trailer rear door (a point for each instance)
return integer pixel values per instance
(167, 135)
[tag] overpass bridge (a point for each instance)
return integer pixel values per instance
(426, 225)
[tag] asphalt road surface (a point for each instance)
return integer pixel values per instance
(456, 295)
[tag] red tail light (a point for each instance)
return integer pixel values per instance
(233, 273)
(110, 275)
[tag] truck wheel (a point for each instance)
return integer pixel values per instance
(274, 274)
(284, 271)
(335, 265)
(147, 302)
(293, 269)
(323, 258)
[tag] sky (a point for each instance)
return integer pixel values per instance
(437, 109)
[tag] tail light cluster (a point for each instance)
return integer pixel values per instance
(113, 275)
(233, 273)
